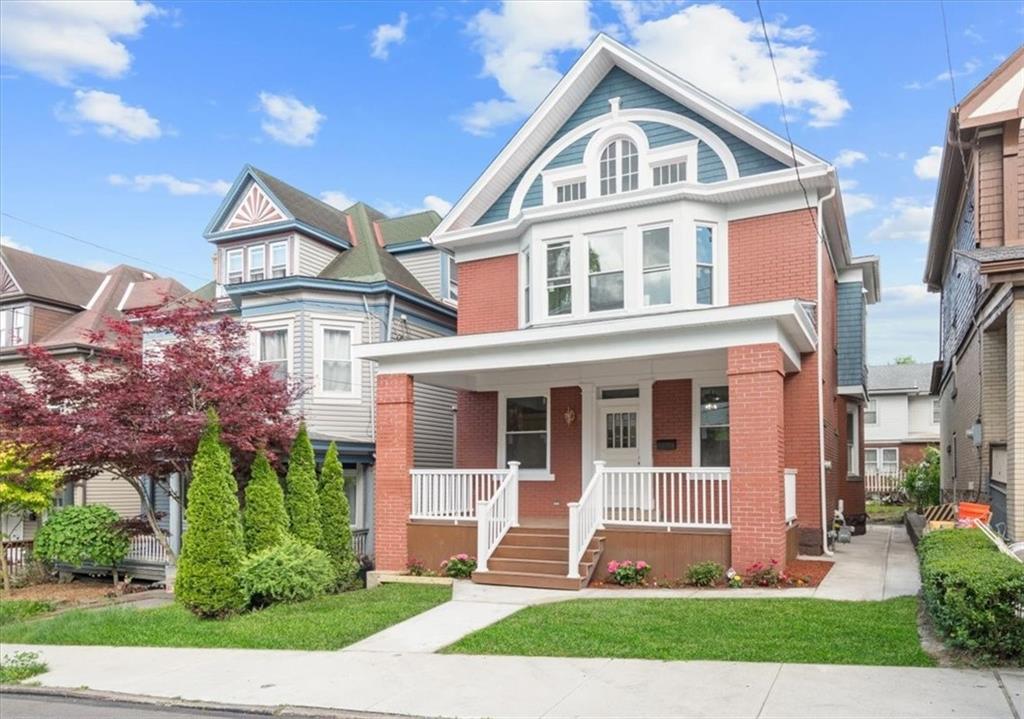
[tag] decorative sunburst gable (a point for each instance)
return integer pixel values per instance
(8, 284)
(255, 208)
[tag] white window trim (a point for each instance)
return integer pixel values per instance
(453, 270)
(873, 463)
(527, 475)
(620, 235)
(936, 409)
(853, 461)
(695, 416)
(269, 324)
(14, 313)
(716, 255)
(355, 329)
(228, 254)
(526, 309)
(251, 249)
(882, 462)
(575, 292)
(360, 480)
(269, 264)
(871, 406)
(672, 289)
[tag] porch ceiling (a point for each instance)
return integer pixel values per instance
(460, 360)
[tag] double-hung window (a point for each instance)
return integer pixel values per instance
(234, 271)
(890, 460)
(870, 461)
(852, 443)
(605, 268)
(871, 412)
(936, 411)
(273, 351)
(714, 426)
(657, 267)
(278, 259)
(336, 360)
(526, 431)
(12, 326)
(559, 277)
(453, 278)
(257, 263)
(705, 265)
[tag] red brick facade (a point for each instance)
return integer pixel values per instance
(772, 257)
(393, 492)
(672, 419)
(549, 499)
(489, 295)
(476, 433)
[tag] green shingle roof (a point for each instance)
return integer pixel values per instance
(410, 227)
(306, 208)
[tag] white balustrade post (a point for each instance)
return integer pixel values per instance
(574, 539)
(483, 522)
(513, 468)
(599, 491)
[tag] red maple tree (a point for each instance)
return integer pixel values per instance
(136, 410)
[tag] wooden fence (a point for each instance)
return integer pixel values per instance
(885, 483)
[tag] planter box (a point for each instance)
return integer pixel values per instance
(375, 579)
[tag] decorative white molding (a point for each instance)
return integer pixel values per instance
(255, 208)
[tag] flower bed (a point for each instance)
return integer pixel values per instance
(799, 573)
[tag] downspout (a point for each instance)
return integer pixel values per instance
(821, 368)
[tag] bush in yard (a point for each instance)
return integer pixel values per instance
(418, 568)
(704, 574)
(76, 535)
(264, 520)
(300, 495)
(336, 531)
(292, 571)
(921, 480)
(213, 547)
(628, 573)
(459, 566)
(974, 593)
(764, 575)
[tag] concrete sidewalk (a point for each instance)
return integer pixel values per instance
(471, 686)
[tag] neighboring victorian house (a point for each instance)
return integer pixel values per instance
(976, 260)
(58, 306)
(901, 419)
(312, 282)
(650, 360)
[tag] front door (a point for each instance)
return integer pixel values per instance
(618, 443)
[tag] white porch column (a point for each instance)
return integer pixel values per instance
(174, 515)
(645, 423)
(588, 429)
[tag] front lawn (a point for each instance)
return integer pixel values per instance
(885, 513)
(330, 622)
(13, 610)
(814, 631)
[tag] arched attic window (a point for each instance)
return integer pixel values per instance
(620, 167)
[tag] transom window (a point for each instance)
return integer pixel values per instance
(714, 426)
(273, 351)
(705, 265)
(12, 326)
(607, 291)
(657, 267)
(571, 191)
(234, 271)
(257, 263)
(619, 167)
(559, 276)
(278, 259)
(336, 369)
(526, 431)
(670, 173)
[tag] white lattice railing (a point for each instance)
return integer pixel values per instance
(585, 518)
(790, 492)
(146, 548)
(667, 496)
(495, 516)
(452, 494)
(883, 483)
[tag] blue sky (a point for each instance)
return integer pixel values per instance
(122, 124)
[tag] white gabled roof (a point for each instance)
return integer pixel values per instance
(602, 55)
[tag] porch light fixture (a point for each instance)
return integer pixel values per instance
(570, 416)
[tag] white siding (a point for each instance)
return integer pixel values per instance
(891, 424)
(425, 266)
(313, 256)
(920, 423)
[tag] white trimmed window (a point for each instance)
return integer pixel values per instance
(871, 412)
(234, 266)
(657, 267)
(571, 191)
(336, 360)
(257, 263)
(278, 259)
(870, 461)
(606, 274)
(527, 312)
(526, 431)
(669, 173)
(714, 426)
(705, 265)
(13, 321)
(273, 351)
(852, 441)
(890, 457)
(936, 411)
(619, 167)
(453, 278)
(559, 278)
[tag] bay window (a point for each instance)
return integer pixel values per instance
(234, 266)
(273, 351)
(657, 267)
(559, 276)
(714, 426)
(705, 265)
(278, 259)
(257, 263)
(605, 267)
(336, 360)
(526, 431)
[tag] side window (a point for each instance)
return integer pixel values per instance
(257, 263)
(657, 267)
(279, 259)
(606, 276)
(233, 270)
(714, 427)
(705, 265)
(273, 351)
(559, 278)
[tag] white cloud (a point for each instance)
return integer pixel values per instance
(927, 167)
(387, 35)
(111, 116)
(716, 50)
(337, 198)
(438, 204)
(58, 40)
(856, 202)
(849, 158)
(908, 220)
(8, 241)
(98, 265)
(173, 185)
(288, 120)
(915, 295)
(905, 322)
(969, 68)
(520, 45)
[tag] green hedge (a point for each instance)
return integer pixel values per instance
(974, 593)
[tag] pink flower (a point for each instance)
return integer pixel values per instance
(642, 565)
(462, 557)
(613, 567)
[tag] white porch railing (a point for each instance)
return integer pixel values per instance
(360, 538)
(790, 479)
(667, 496)
(883, 483)
(452, 494)
(146, 548)
(585, 518)
(495, 516)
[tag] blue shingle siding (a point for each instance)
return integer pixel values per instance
(660, 134)
(850, 317)
(961, 283)
(635, 94)
(572, 155)
(535, 195)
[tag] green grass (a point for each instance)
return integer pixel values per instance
(885, 512)
(14, 610)
(329, 622)
(754, 630)
(20, 666)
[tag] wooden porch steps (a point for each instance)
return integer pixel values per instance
(538, 557)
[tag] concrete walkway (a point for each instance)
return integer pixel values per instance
(428, 685)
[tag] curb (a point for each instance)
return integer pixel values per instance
(140, 700)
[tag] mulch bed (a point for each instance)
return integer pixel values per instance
(812, 570)
(80, 591)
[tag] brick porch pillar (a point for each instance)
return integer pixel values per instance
(393, 491)
(757, 454)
